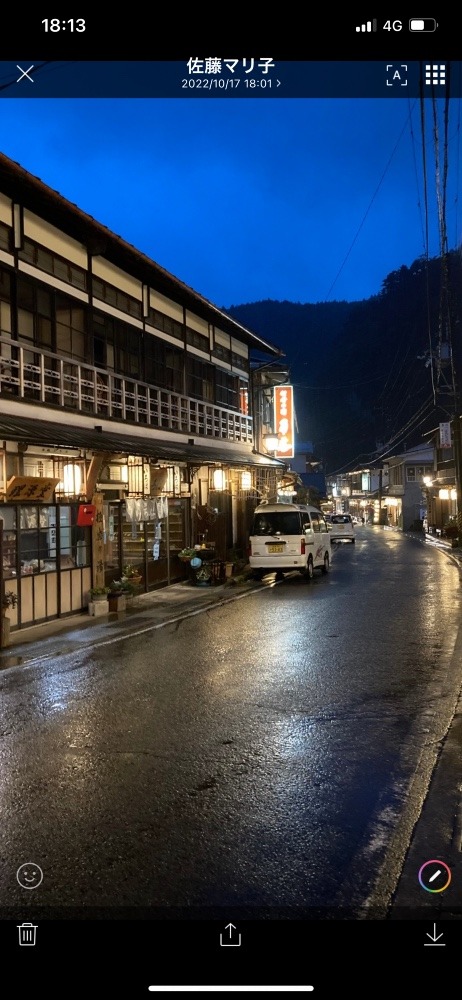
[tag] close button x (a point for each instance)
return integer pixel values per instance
(24, 73)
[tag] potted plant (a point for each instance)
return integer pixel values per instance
(9, 600)
(120, 590)
(132, 573)
(98, 593)
(97, 604)
(186, 555)
(235, 562)
(116, 597)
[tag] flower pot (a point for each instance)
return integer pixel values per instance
(117, 602)
(202, 577)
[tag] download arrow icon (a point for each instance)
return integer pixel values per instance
(434, 938)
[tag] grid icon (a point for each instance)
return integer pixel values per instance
(435, 73)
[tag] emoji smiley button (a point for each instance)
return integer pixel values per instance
(29, 876)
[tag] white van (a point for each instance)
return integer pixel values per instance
(288, 536)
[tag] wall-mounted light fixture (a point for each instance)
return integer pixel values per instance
(271, 441)
(71, 483)
(219, 480)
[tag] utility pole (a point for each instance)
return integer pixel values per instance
(379, 492)
(456, 436)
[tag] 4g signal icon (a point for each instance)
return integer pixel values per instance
(368, 26)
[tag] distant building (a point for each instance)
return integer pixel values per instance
(360, 492)
(404, 497)
(309, 469)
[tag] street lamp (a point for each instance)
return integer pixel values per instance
(271, 441)
(427, 493)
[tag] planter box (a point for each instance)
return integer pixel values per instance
(6, 624)
(117, 602)
(98, 608)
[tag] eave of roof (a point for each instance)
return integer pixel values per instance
(34, 194)
(46, 434)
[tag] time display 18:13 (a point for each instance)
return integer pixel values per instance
(56, 24)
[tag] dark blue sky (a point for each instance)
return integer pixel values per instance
(305, 200)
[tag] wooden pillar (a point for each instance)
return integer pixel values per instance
(98, 543)
(96, 464)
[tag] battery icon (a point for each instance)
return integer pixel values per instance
(422, 24)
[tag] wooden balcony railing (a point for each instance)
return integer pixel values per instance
(35, 375)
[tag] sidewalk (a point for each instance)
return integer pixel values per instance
(152, 610)
(440, 543)
(454, 552)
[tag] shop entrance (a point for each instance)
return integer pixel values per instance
(146, 535)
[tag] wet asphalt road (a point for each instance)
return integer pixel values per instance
(270, 753)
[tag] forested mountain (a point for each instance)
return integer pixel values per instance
(373, 375)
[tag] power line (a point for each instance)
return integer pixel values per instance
(363, 220)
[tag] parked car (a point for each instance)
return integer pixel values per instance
(288, 536)
(341, 528)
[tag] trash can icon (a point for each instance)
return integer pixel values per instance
(27, 933)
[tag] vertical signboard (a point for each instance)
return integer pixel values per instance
(98, 541)
(445, 435)
(284, 420)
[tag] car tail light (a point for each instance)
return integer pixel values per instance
(302, 547)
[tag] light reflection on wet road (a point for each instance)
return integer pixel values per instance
(256, 755)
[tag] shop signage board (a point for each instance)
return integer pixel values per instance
(27, 488)
(98, 541)
(445, 435)
(284, 420)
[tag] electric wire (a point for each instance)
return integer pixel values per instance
(368, 209)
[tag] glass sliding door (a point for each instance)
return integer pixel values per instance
(157, 561)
